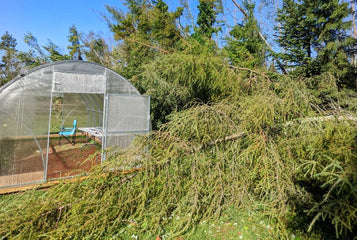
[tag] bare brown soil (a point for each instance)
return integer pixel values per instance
(68, 160)
(63, 160)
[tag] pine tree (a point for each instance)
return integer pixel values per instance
(54, 52)
(9, 64)
(164, 29)
(37, 54)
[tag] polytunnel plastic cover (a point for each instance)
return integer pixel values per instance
(90, 93)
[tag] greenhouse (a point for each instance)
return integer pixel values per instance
(57, 103)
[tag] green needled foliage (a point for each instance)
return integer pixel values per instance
(269, 148)
(75, 49)
(314, 36)
(176, 80)
(37, 54)
(207, 18)
(146, 31)
(228, 140)
(245, 47)
(9, 65)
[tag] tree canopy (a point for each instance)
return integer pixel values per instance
(9, 65)
(314, 35)
(245, 121)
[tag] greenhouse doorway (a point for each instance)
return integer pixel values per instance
(77, 153)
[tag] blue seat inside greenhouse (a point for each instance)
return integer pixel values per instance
(68, 132)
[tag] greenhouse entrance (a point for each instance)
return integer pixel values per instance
(37, 107)
(73, 154)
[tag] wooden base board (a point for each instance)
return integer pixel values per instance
(22, 178)
(50, 183)
(44, 185)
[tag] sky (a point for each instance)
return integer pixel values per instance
(51, 19)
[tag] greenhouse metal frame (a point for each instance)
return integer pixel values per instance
(34, 106)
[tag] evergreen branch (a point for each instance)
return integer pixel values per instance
(313, 221)
(242, 134)
(128, 178)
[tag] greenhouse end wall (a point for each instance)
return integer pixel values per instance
(92, 94)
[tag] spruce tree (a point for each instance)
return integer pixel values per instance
(313, 34)
(54, 53)
(164, 29)
(37, 54)
(245, 47)
(97, 50)
(75, 47)
(206, 19)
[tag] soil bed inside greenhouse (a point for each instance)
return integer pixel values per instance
(68, 160)
(64, 160)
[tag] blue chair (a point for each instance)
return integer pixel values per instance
(68, 132)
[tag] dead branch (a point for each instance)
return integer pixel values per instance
(220, 140)
(322, 119)
(250, 70)
(243, 134)
(240, 8)
(57, 209)
(128, 178)
(146, 45)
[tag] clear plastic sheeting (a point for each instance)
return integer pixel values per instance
(128, 113)
(127, 117)
(79, 67)
(121, 140)
(35, 105)
(79, 82)
(24, 116)
(116, 84)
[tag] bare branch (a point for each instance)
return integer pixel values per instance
(221, 140)
(322, 119)
(146, 45)
(240, 8)
(250, 70)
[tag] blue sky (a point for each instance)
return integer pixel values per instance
(51, 19)
(48, 19)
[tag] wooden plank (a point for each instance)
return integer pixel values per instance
(44, 136)
(50, 183)
(22, 178)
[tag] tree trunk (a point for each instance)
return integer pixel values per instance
(353, 4)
